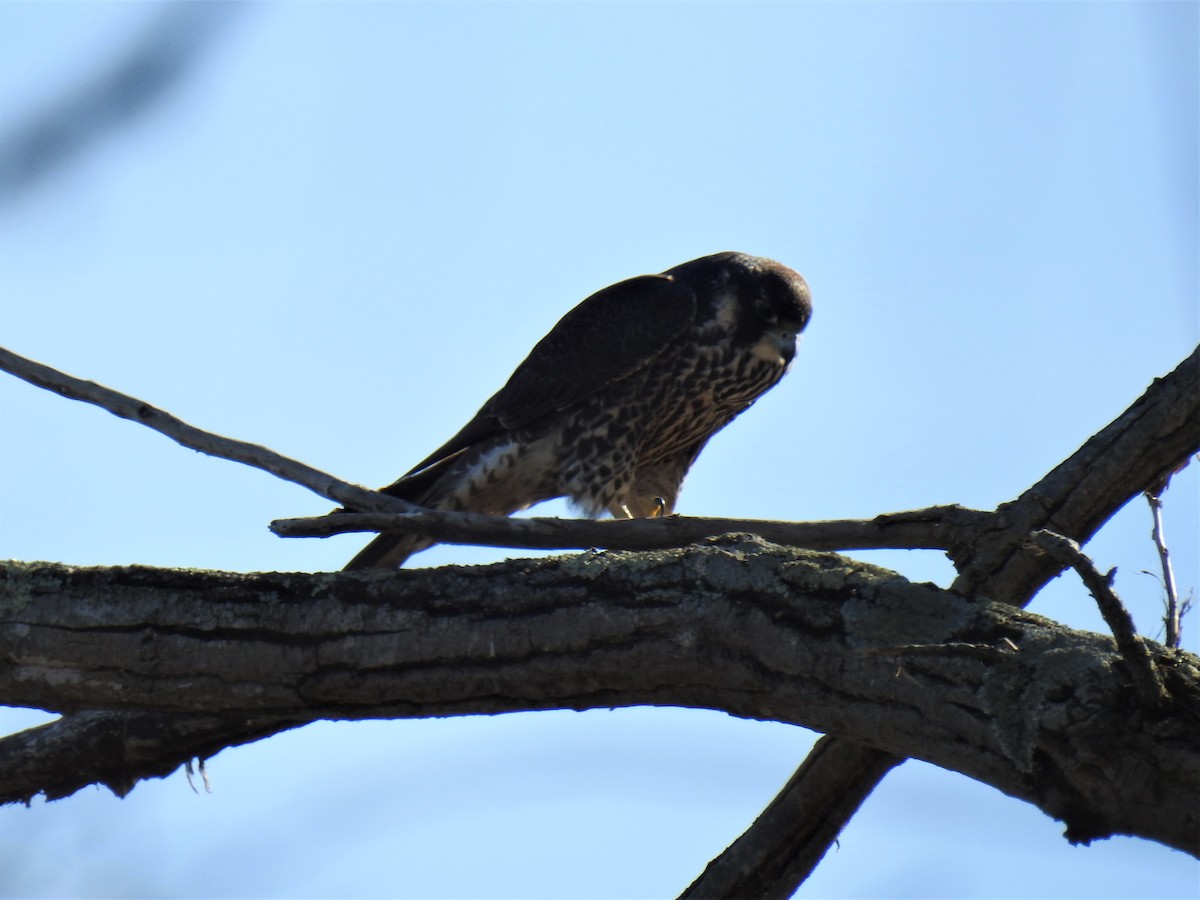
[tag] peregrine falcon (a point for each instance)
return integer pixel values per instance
(613, 406)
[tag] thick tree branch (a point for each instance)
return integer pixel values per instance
(97, 747)
(1148, 441)
(751, 628)
(764, 862)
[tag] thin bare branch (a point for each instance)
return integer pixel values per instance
(127, 407)
(1173, 615)
(936, 528)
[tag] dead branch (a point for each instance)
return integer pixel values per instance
(127, 407)
(1172, 618)
(935, 528)
(1132, 646)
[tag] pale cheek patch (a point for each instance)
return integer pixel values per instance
(767, 350)
(724, 322)
(728, 313)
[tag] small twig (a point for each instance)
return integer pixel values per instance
(181, 432)
(1131, 646)
(1173, 616)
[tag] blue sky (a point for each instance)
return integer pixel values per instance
(340, 233)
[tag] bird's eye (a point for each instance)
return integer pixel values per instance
(764, 311)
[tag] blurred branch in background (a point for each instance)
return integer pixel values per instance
(137, 78)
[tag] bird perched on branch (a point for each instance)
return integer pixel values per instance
(613, 406)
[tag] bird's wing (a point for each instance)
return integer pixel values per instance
(607, 337)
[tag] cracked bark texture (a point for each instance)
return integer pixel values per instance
(738, 624)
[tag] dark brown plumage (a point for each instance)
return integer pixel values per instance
(613, 406)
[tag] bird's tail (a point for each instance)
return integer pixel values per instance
(388, 551)
(391, 550)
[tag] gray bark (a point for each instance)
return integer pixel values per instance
(739, 625)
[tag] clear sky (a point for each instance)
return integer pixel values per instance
(342, 229)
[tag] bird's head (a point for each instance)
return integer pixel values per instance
(753, 301)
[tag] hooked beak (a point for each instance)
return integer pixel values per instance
(777, 346)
